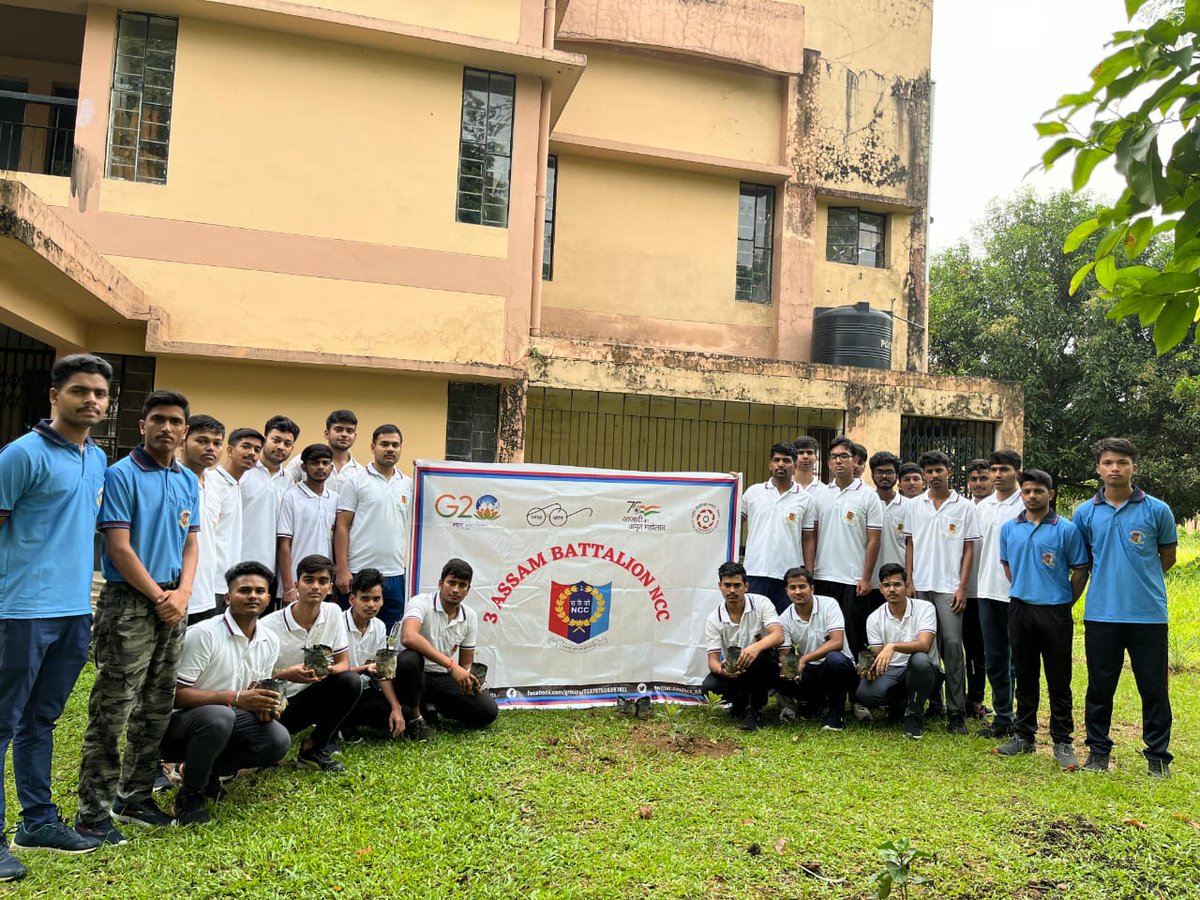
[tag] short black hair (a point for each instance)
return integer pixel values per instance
(63, 369)
(806, 442)
(910, 468)
(284, 424)
(934, 458)
(798, 572)
(1120, 446)
(842, 441)
(859, 452)
(730, 569)
(1037, 476)
(165, 398)
(459, 568)
(240, 434)
(784, 448)
(1006, 458)
(386, 428)
(201, 422)
(314, 563)
(315, 451)
(339, 416)
(885, 458)
(365, 579)
(249, 567)
(979, 465)
(889, 569)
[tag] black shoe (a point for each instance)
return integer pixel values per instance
(913, 728)
(418, 730)
(214, 790)
(11, 868)
(749, 721)
(140, 812)
(318, 758)
(1158, 768)
(956, 725)
(1096, 762)
(102, 830)
(57, 836)
(995, 731)
(190, 808)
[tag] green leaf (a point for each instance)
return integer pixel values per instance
(1079, 234)
(1138, 237)
(1085, 161)
(1048, 129)
(1109, 242)
(1164, 31)
(1132, 6)
(1079, 276)
(1134, 276)
(1076, 100)
(1106, 272)
(1058, 148)
(1173, 283)
(1173, 322)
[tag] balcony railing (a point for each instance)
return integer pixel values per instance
(43, 141)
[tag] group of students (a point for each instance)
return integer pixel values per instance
(871, 596)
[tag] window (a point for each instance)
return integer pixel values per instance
(855, 237)
(551, 199)
(959, 439)
(756, 227)
(139, 127)
(485, 147)
(472, 418)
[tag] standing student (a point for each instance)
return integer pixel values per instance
(941, 531)
(149, 518)
(859, 452)
(749, 622)
(51, 481)
(372, 523)
(341, 431)
(1046, 561)
(849, 527)
(224, 485)
(780, 527)
(885, 472)
(201, 451)
(808, 464)
(378, 708)
(1000, 507)
(979, 487)
(1131, 538)
(306, 518)
(263, 488)
(912, 480)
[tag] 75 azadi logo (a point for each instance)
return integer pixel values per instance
(645, 510)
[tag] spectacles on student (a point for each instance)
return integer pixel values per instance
(839, 455)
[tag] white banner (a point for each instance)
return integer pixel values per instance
(589, 583)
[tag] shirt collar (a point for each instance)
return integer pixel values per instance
(148, 463)
(954, 497)
(1051, 518)
(310, 492)
(770, 485)
(47, 431)
(289, 620)
(437, 604)
(235, 630)
(1137, 496)
(908, 611)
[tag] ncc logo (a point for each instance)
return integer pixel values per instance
(579, 611)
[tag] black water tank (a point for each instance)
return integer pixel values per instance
(852, 336)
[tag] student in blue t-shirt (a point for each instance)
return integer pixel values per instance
(1131, 538)
(51, 482)
(1046, 563)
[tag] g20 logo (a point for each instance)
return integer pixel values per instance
(463, 506)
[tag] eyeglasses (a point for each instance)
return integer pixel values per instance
(839, 455)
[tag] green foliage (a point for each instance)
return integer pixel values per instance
(1016, 309)
(1144, 91)
(898, 857)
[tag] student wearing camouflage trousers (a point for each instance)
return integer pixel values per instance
(149, 518)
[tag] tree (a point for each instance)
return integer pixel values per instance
(1158, 68)
(1009, 312)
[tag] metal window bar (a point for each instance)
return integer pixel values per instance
(959, 439)
(142, 94)
(472, 421)
(485, 148)
(551, 202)
(855, 237)
(34, 147)
(756, 228)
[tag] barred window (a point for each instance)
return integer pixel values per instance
(551, 199)
(139, 127)
(855, 237)
(485, 147)
(756, 227)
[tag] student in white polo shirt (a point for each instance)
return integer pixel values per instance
(306, 517)
(438, 633)
(263, 488)
(749, 622)
(905, 671)
(941, 531)
(378, 708)
(814, 632)
(372, 523)
(808, 464)
(341, 431)
(992, 586)
(201, 450)
(849, 526)
(323, 702)
(780, 521)
(223, 483)
(222, 721)
(979, 487)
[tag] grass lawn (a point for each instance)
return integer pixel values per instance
(550, 804)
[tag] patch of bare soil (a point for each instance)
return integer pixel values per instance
(688, 744)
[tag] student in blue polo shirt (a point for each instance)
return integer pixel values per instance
(1046, 563)
(150, 518)
(1131, 538)
(51, 481)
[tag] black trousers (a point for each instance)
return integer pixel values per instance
(371, 711)
(749, 689)
(904, 689)
(1040, 637)
(973, 647)
(828, 683)
(1105, 645)
(855, 610)
(414, 686)
(323, 705)
(219, 740)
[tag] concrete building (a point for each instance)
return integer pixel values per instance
(583, 231)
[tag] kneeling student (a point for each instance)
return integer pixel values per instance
(750, 623)
(906, 668)
(438, 627)
(815, 632)
(322, 701)
(222, 722)
(378, 707)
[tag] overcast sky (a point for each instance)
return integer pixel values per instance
(997, 67)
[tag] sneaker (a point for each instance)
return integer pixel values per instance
(957, 725)
(314, 758)
(995, 731)
(190, 808)
(418, 730)
(912, 728)
(834, 722)
(862, 713)
(214, 790)
(166, 778)
(787, 709)
(350, 736)
(140, 812)
(1158, 768)
(11, 868)
(980, 711)
(1014, 746)
(749, 721)
(1096, 762)
(334, 747)
(102, 830)
(57, 836)
(1064, 753)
